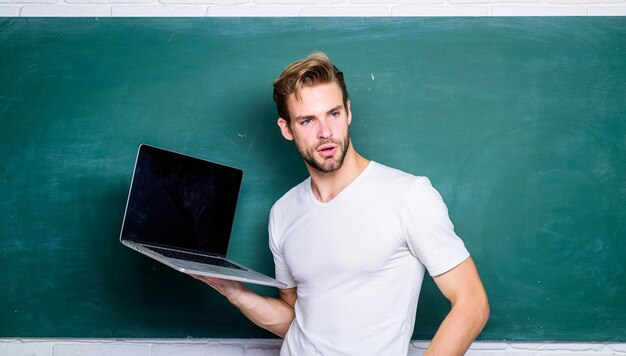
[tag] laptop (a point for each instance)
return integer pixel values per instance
(180, 212)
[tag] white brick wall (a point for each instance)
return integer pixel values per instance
(101, 8)
(236, 347)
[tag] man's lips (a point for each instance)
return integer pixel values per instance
(327, 150)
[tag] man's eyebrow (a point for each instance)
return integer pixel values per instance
(307, 117)
(304, 117)
(336, 108)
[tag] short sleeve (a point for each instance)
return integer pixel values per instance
(281, 269)
(429, 232)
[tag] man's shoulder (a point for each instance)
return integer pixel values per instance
(395, 176)
(292, 196)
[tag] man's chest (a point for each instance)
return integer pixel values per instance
(346, 242)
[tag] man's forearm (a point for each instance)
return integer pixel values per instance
(459, 329)
(272, 314)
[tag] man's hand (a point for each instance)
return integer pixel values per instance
(229, 289)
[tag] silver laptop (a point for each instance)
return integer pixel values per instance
(180, 212)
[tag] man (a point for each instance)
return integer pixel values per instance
(352, 242)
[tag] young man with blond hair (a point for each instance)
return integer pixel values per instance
(352, 242)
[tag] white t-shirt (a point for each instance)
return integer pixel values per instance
(358, 261)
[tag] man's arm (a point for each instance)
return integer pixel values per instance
(273, 314)
(469, 313)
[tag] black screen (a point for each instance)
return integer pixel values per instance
(181, 201)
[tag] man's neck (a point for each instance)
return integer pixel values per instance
(326, 186)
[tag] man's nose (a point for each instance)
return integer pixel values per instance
(324, 130)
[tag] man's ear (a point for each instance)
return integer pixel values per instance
(348, 112)
(284, 129)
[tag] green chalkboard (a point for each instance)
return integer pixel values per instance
(520, 123)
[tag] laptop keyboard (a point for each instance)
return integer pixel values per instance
(195, 258)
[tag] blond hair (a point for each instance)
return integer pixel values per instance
(313, 70)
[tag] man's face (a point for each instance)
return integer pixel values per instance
(319, 126)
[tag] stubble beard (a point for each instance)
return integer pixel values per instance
(327, 165)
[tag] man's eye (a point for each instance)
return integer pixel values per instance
(335, 114)
(306, 122)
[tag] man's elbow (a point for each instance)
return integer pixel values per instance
(482, 310)
(485, 311)
(476, 308)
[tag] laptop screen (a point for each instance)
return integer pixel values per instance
(181, 202)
